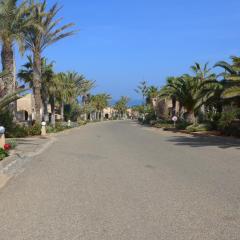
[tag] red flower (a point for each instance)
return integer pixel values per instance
(7, 147)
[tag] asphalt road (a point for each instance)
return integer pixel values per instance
(118, 180)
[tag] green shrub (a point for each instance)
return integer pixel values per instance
(182, 125)
(6, 120)
(34, 130)
(203, 127)
(81, 122)
(60, 127)
(17, 132)
(226, 119)
(12, 142)
(3, 154)
(233, 129)
(51, 129)
(150, 117)
(229, 123)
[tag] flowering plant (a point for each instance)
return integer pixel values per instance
(7, 147)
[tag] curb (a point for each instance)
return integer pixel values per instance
(15, 162)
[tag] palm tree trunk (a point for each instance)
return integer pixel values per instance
(190, 117)
(37, 85)
(45, 109)
(8, 82)
(53, 118)
(173, 106)
(8, 66)
(62, 111)
(45, 103)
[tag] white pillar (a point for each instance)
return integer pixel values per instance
(43, 129)
(2, 137)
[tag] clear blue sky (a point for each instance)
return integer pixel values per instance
(123, 42)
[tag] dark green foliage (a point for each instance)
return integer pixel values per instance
(226, 119)
(182, 125)
(12, 142)
(59, 127)
(18, 132)
(34, 130)
(6, 120)
(203, 127)
(3, 154)
(13, 130)
(150, 116)
(229, 123)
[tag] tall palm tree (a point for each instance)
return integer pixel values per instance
(231, 79)
(7, 98)
(100, 101)
(203, 73)
(171, 91)
(152, 92)
(121, 106)
(188, 92)
(37, 40)
(142, 89)
(206, 77)
(13, 22)
(72, 86)
(26, 74)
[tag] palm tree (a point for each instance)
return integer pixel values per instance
(7, 98)
(121, 106)
(171, 91)
(99, 102)
(206, 77)
(142, 89)
(187, 90)
(13, 23)
(72, 86)
(203, 73)
(26, 74)
(231, 79)
(37, 40)
(152, 92)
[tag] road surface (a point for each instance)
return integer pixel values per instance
(119, 180)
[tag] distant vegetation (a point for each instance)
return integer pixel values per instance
(34, 26)
(202, 100)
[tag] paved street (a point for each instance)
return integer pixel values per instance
(119, 180)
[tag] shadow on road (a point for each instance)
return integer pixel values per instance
(206, 141)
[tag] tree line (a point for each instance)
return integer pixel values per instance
(203, 96)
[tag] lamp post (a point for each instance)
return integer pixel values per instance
(2, 137)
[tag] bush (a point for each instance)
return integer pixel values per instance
(60, 127)
(182, 125)
(81, 122)
(3, 154)
(51, 129)
(233, 129)
(17, 132)
(34, 130)
(226, 119)
(6, 120)
(150, 117)
(203, 127)
(12, 143)
(229, 123)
